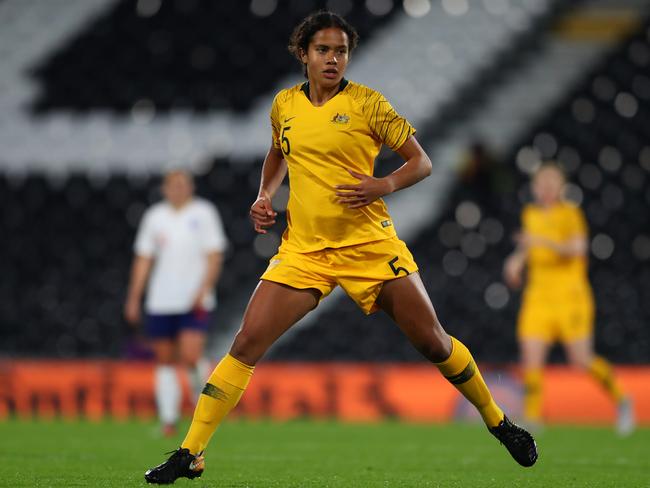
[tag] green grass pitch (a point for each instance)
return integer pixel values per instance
(320, 454)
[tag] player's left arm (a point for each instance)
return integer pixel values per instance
(214, 243)
(416, 167)
(575, 246)
(213, 266)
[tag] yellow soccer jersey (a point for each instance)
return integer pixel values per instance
(548, 271)
(319, 143)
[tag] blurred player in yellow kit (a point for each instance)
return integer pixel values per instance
(326, 133)
(557, 301)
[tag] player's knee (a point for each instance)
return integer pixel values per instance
(437, 349)
(246, 348)
(165, 358)
(190, 359)
(579, 363)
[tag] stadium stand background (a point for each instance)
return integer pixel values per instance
(66, 249)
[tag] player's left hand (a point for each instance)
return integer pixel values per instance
(197, 304)
(526, 240)
(363, 193)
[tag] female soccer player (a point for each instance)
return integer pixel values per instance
(327, 133)
(557, 302)
(178, 254)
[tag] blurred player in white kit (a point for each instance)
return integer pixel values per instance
(178, 257)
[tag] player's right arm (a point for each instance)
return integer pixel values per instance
(139, 275)
(513, 268)
(143, 258)
(515, 263)
(274, 170)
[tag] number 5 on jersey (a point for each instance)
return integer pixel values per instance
(286, 146)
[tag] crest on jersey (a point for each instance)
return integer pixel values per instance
(340, 118)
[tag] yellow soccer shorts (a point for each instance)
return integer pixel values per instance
(360, 270)
(561, 320)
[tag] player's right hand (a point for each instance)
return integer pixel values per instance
(513, 271)
(132, 312)
(262, 214)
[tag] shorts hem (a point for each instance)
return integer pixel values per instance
(279, 281)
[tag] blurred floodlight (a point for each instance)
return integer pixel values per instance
(147, 8)
(546, 143)
(644, 158)
(473, 245)
(574, 193)
(454, 263)
(529, 159)
(590, 176)
(341, 7)
(497, 7)
(639, 53)
(143, 111)
(417, 8)
(603, 88)
(492, 230)
(263, 8)
(612, 197)
(633, 177)
(602, 246)
(569, 159)
(455, 7)
(496, 296)
(468, 214)
(641, 86)
(202, 57)
(266, 245)
(610, 159)
(281, 198)
(449, 234)
(626, 105)
(641, 247)
(583, 110)
(159, 42)
(379, 7)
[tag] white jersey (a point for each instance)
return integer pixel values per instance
(179, 241)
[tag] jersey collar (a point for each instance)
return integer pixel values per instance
(305, 88)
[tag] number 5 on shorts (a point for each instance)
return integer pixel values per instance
(396, 270)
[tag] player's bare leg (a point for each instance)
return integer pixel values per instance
(166, 385)
(533, 357)
(191, 343)
(406, 301)
(272, 310)
(581, 355)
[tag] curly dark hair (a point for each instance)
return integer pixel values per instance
(305, 30)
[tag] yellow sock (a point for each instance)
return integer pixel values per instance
(220, 395)
(461, 370)
(533, 394)
(601, 370)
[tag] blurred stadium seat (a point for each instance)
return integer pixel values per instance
(197, 54)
